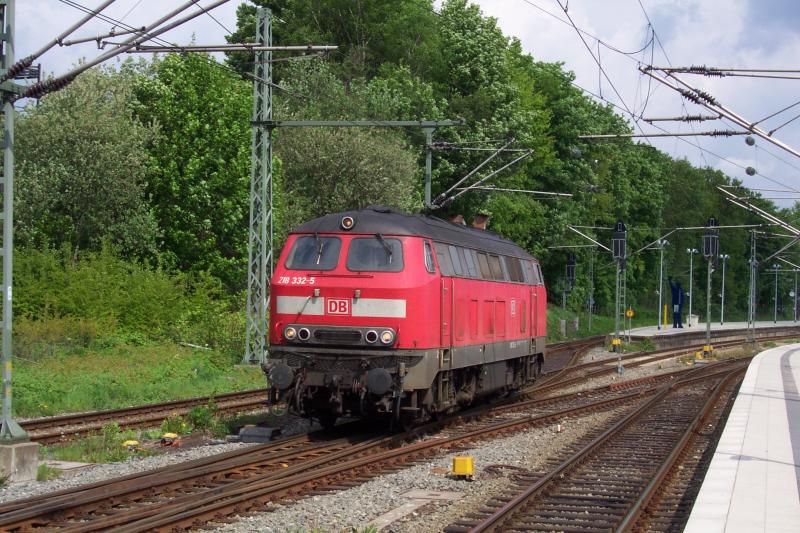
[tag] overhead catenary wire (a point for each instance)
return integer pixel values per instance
(714, 133)
(705, 150)
(493, 188)
(487, 177)
(212, 17)
(142, 30)
(443, 196)
(706, 100)
(152, 30)
(596, 60)
(27, 61)
(666, 56)
(588, 34)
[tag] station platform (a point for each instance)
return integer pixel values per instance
(753, 481)
(653, 331)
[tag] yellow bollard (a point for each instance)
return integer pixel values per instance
(665, 316)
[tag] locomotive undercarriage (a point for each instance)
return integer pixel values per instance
(404, 387)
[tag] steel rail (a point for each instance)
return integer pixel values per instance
(68, 426)
(500, 519)
(19, 514)
(24, 512)
(177, 515)
(636, 512)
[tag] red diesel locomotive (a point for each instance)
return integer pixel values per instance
(380, 313)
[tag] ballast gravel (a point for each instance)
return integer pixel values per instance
(358, 506)
(100, 472)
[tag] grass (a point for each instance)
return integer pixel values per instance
(84, 379)
(645, 345)
(601, 324)
(46, 473)
(105, 447)
(108, 446)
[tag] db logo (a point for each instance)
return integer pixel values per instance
(335, 306)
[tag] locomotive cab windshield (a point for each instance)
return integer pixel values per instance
(375, 254)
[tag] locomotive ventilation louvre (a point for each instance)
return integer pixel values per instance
(341, 336)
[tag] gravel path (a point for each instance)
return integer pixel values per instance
(99, 472)
(356, 507)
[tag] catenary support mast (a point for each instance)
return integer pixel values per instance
(260, 244)
(10, 431)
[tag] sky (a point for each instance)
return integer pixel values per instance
(744, 34)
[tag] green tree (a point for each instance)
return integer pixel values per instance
(333, 169)
(199, 186)
(369, 33)
(82, 168)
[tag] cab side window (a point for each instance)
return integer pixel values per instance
(429, 258)
(443, 257)
(455, 260)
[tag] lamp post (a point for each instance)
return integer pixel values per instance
(794, 295)
(775, 267)
(661, 244)
(618, 249)
(591, 286)
(724, 258)
(570, 279)
(691, 252)
(751, 296)
(710, 252)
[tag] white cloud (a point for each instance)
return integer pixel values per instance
(693, 32)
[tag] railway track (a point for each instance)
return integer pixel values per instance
(54, 429)
(610, 480)
(562, 368)
(209, 490)
(70, 426)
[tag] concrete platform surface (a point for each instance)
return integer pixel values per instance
(653, 331)
(753, 481)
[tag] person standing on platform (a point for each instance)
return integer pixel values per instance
(677, 303)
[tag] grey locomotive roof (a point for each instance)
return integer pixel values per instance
(383, 220)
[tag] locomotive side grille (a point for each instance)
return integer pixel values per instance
(338, 336)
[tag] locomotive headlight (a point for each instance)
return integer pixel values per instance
(371, 336)
(348, 223)
(303, 334)
(387, 336)
(290, 333)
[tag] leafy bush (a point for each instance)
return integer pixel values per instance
(103, 300)
(202, 416)
(175, 424)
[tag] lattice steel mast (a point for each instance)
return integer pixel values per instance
(260, 241)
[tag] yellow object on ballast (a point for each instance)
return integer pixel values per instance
(463, 466)
(131, 444)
